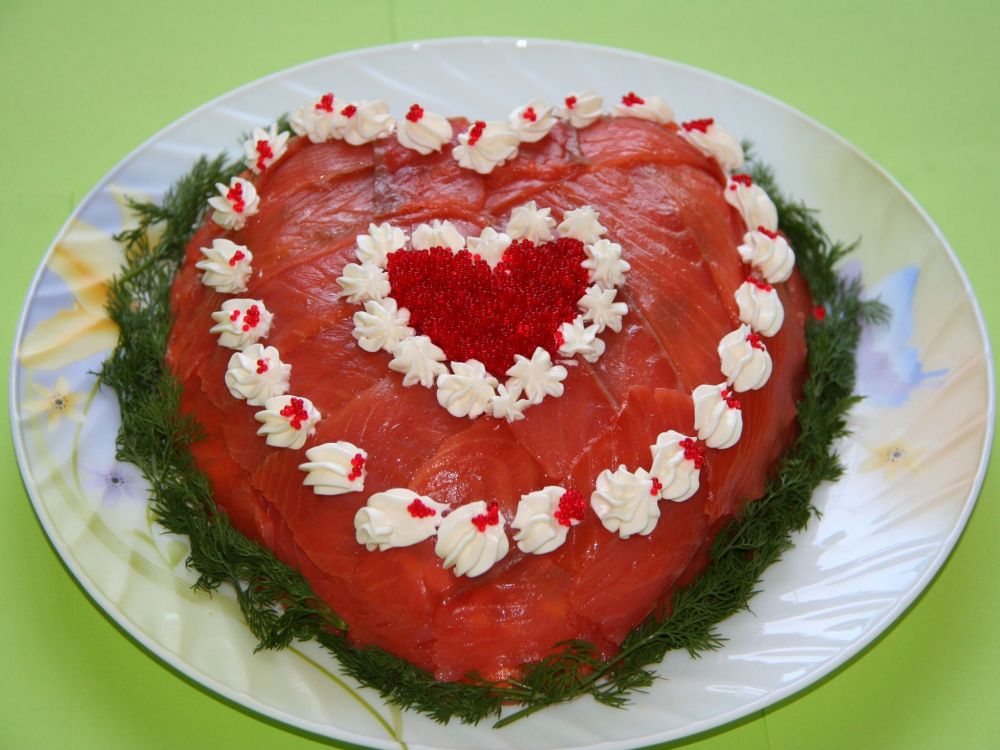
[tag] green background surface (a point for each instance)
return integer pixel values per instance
(915, 86)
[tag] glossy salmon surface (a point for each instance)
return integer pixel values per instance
(661, 199)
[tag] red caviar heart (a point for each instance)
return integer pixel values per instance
(474, 312)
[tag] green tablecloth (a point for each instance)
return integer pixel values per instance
(82, 85)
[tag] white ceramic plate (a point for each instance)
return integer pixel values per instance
(914, 465)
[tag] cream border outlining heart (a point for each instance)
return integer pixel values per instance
(467, 389)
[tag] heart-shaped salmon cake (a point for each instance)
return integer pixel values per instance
(605, 308)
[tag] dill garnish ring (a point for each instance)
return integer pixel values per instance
(280, 606)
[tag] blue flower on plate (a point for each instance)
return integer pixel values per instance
(889, 369)
(116, 482)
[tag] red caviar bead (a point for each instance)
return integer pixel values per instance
(415, 113)
(252, 317)
(657, 486)
(819, 312)
(759, 283)
(741, 179)
(476, 132)
(357, 467)
(756, 342)
(572, 507)
(631, 99)
(295, 412)
(701, 126)
(417, 509)
(235, 197)
(235, 315)
(693, 452)
(237, 257)
(349, 110)
(570, 102)
(264, 153)
(262, 366)
(325, 103)
(767, 232)
(730, 399)
(490, 518)
(529, 114)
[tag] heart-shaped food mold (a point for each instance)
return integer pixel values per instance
(611, 271)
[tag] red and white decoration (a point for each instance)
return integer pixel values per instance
(456, 320)
(420, 306)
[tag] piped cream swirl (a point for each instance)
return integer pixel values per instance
(257, 374)
(468, 390)
(287, 421)
(381, 240)
(397, 518)
(438, 234)
(490, 245)
(605, 263)
(714, 142)
(582, 224)
(717, 416)
(745, 359)
(420, 360)
(676, 464)
(760, 307)
(235, 203)
(533, 121)
(541, 526)
(381, 325)
(581, 108)
(320, 120)
(529, 222)
(241, 322)
(264, 147)
(363, 282)
(598, 305)
(754, 205)
(485, 146)
(366, 121)
(423, 131)
(579, 338)
(471, 539)
(537, 376)
(625, 502)
(651, 108)
(769, 253)
(226, 266)
(335, 468)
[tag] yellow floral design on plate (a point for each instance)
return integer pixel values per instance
(56, 403)
(86, 258)
(892, 458)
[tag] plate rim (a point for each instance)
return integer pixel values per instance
(244, 701)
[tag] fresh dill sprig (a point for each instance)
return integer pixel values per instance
(278, 603)
(280, 606)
